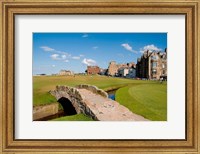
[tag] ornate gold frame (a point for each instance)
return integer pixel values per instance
(9, 8)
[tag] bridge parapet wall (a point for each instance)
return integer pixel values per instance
(75, 97)
(93, 89)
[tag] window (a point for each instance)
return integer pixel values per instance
(163, 65)
(163, 72)
(154, 71)
(154, 57)
(154, 64)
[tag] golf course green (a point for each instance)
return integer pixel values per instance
(148, 100)
(143, 97)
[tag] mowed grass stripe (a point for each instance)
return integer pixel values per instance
(43, 84)
(148, 100)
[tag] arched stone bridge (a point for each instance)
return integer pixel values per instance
(93, 102)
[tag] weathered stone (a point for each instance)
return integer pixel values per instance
(94, 102)
(93, 89)
(44, 111)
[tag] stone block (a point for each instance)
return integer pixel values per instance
(45, 110)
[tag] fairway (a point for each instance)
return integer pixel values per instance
(148, 100)
(143, 97)
(43, 84)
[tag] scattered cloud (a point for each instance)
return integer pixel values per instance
(81, 55)
(85, 35)
(64, 56)
(46, 48)
(95, 47)
(89, 62)
(55, 57)
(76, 57)
(53, 65)
(128, 47)
(58, 55)
(151, 48)
(64, 53)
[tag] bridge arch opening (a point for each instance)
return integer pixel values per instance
(67, 106)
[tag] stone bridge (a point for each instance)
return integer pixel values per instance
(92, 102)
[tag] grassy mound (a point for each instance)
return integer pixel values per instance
(148, 100)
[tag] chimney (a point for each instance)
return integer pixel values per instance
(166, 50)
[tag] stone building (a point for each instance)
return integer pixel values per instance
(123, 72)
(112, 68)
(115, 69)
(152, 65)
(93, 70)
(65, 72)
(127, 72)
(131, 73)
(103, 71)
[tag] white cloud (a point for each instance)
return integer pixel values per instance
(85, 35)
(64, 56)
(76, 57)
(95, 47)
(89, 62)
(53, 65)
(150, 48)
(66, 61)
(55, 57)
(81, 55)
(46, 48)
(128, 47)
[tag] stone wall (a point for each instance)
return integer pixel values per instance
(93, 89)
(44, 111)
(75, 98)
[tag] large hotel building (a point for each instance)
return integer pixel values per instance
(152, 65)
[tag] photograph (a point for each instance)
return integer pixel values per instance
(99, 76)
(96, 76)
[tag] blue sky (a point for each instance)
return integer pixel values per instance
(74, 51)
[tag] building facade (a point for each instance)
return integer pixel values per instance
(65, 72)
(112, 68)
(152, 65)
(115, 69)
(93, 70)
(123, 72)
(131, 73)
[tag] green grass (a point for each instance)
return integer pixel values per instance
(77, 117)
(43, 84)
(148, 100)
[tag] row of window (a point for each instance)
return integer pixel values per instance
(154, 71)
(154, 64)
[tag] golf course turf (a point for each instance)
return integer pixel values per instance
(143, 97)
(77, 117)
(148, 100)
